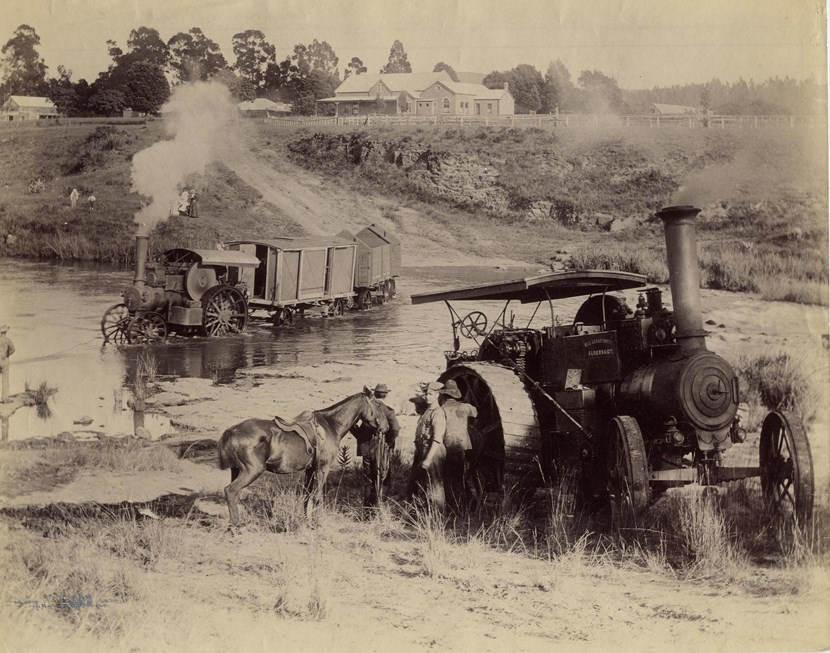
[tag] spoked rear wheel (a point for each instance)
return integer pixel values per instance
(786, 468)
(628, 488)
(224, 311)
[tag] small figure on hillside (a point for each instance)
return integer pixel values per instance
(193, 206)
(6, 350)
(426, 480)
(73, 198)
(184, 202)
(459, 446)
(91, 200)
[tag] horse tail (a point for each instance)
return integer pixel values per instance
(227, 450)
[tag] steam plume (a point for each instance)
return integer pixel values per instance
(200, 119)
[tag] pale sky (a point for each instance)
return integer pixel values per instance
(641, 43)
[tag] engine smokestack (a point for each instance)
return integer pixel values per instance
(684, 276)
(141, 247)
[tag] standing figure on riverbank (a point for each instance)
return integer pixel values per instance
(91, 200)
(427, 467)
(6, 350)
(73, 198)
(458, 444)
(376, 449)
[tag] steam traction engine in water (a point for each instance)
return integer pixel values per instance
(632, 400)
(186, 290)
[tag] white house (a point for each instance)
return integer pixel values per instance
(418, 94)
(26, 107)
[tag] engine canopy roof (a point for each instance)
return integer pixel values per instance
(554, 285)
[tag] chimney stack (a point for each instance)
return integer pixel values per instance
(141, 246)
(684, 276)
(505, 86)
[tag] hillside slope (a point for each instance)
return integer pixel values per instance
(500, 197)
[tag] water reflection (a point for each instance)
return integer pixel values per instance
(55, 313)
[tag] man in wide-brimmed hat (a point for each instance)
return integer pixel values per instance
(427, 468)
(458, 444)
(6, 350)
(377, 453)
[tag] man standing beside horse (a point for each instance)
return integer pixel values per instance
(376, 450)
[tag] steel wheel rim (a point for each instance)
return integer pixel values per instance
(786, 468)
(146, 328)
(115, 324)
(225, 312)
(628, 486)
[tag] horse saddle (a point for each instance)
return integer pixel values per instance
(304, 426)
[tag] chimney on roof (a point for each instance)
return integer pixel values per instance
(505, 86)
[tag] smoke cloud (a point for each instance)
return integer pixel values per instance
(200, 120)
(745, 176)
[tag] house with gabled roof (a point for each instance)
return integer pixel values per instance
(423, 94)
(27, 107)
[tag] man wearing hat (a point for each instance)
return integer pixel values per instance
(6, 350)
(377, 453)
(427, 467)
(458, 443)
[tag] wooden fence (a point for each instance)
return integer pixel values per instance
(554, 121)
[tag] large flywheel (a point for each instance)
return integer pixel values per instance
(507, 442)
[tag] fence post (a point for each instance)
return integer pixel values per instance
(721, 122)
(690, 122)
(596, 121)
(567, 121)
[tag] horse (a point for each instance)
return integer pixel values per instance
(256, 445)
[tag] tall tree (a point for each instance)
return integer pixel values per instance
(398, 61)
(146, 88)
(143, 45)
(525, 83)
(22, 69)
(239, 87)
(558, 90)
(253, 56)
(601, 94)
(445, 66)
(62, 92)
(315, 56)
(193, 56)
(354, 66)
(307, 89)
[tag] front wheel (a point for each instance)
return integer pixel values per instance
(116, 323)
(147, 328)
(786, 467)
(628, 488)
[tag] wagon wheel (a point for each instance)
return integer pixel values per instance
(505, 454)
(364, 299)
(336, 308)
(473, 324)
(147, 328)
(282, 316)
(628, 487)
(224, 311)
(115, 323)
(786, 468)
(349, 301)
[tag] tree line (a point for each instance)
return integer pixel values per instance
(141, 76)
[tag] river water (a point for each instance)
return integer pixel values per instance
(54, 312)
